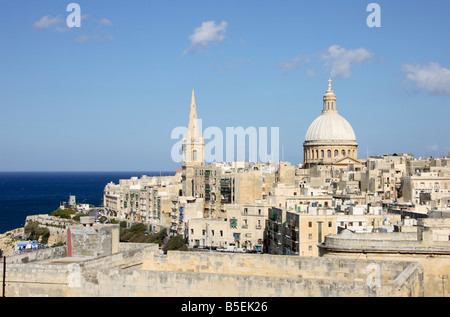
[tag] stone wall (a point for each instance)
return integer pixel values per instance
(51, 274)
(141, 270)
(274, 275)
(433, 256)
(93, 241)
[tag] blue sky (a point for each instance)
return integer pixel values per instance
(106, 96)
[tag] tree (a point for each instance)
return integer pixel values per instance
(175, 243)
(34, 232)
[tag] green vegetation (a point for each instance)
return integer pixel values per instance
(138, 233)
(78, 216)
(34, 232)
(65, 213)
(175, 243)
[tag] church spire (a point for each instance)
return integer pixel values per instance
(193, 128)
(329, 99)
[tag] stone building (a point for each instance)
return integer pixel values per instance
(428, 245)
(243, 228)
(293, 232)
(147, 199)
(330, 139)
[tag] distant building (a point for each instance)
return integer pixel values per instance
(292, 232)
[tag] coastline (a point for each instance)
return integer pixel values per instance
(56, 226)
(7, 241)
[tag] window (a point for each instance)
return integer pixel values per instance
(192, 231)
(245, 211)
(310, 248)
(321, 154)
(336, 152)
(329, 153)
(310, 224)
(212, 233)
(221, 233)
(309, 236)
(203, 232)
(330, 224)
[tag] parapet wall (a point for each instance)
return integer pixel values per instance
(141, 270)
(52, 274)
(274, 275)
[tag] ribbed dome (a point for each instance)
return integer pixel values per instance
(330, 127)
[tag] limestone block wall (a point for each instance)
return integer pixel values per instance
(141, 270)
(54, 275)
(44, 254)
(93, 241)
(306, 276)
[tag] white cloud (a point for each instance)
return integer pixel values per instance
(87, 38)
(337, 61)
(340, 60)
(106, 22)
(49, 22)
(295, 63)
(431, 77)
(205, 34)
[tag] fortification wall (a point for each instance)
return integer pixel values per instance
(141, 270)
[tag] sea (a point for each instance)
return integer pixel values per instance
(31, 193)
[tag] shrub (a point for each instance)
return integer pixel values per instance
(175, 243)
(65, 213)
(34, 231)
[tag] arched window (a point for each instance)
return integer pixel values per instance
(321, 154)
(329, 153)
(343, 152)
(336, 153)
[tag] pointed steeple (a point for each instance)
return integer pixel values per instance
(193, 128)
(329, 99)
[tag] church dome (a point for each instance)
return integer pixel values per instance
(330, 139)
(330, 127)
